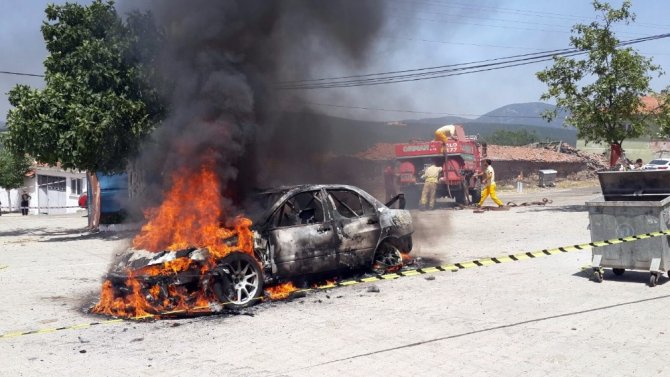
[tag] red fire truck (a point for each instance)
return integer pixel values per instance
(460, 157)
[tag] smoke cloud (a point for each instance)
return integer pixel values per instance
(224, 58)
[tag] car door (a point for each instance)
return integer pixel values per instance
(302, 237)
(357, 225)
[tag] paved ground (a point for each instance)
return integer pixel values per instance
(533, 318)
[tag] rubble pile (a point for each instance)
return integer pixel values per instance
(537, 152)
(594, 161)
(507, 153)
(379, 151)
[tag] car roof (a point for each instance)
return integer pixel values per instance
(287, 191)
(660, 159)
(307, 187)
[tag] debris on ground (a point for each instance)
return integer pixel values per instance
(542, 202)
(490, 208)
(373, 289)
(298, 294)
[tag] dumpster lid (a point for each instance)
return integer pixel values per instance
(634, 183)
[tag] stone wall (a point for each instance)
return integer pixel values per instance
(507, 171)
(368, 175)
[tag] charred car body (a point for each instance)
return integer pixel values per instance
(301, 231)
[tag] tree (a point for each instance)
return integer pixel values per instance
(97, 105)
(12, 171)
(512, 137)
(603, 91)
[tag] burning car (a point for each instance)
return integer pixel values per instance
(299, 231)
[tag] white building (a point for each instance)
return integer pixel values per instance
(52, 190)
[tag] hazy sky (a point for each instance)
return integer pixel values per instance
(419, 33)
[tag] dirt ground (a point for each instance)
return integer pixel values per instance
(537, 317)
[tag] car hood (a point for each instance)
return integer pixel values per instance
(134, 260)
(395, 222)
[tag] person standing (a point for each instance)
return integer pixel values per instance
(489, 184)
(25, 202)
(638, 164)
(390, 178)
(430, 177)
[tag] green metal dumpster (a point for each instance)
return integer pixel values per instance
(633, 203)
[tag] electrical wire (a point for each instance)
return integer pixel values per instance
(417, 111)
(20, 74)
(444, 70)
(522, 12)
(460, 44)
(541, 53)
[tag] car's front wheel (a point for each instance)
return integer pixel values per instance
(387, 258)
(240, 281)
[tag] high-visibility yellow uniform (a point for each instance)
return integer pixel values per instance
(430, 177)
(443, 133)
(490, 188)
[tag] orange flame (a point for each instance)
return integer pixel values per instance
(190, 216)
(281, 291)
(328, 283)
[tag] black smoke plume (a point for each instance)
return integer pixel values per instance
(223, 60)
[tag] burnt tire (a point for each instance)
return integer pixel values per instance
(461, 197)
(653, 280)
(387, 258)
(476, 195)
(598, 276)
(239, 282)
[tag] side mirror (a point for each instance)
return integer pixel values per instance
(400, 198)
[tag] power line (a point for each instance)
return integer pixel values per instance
(550, 52)
(444, 70)
(523, 12)
(460, 44)
(417, 111)
(442, 21)
(542, 54)
(20, 74)
(460, 16)
(442, 17)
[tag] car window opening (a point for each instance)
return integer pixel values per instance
(350, 204)
(302, 209)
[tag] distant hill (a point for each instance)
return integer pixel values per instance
(444, 120)
(346, 136)
(524, 113)
(529, 113)
(424, 129)
(512, 117)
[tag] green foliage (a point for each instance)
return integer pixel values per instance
(12, 169)
(97, 105)
(602, 91)
(512, 137)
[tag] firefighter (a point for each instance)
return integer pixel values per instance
(489, 184)
(445, 132)
(430, 176)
